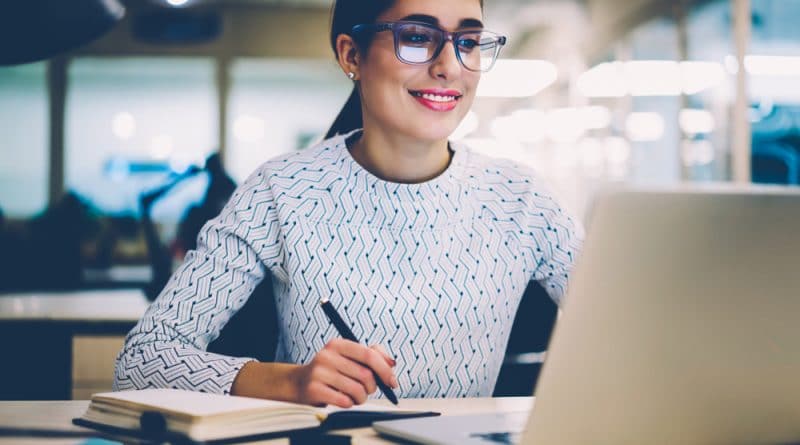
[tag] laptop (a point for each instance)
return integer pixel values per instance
(681, 325)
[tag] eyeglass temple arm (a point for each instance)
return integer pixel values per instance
(375, 27)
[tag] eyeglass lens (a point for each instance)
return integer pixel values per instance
(418, 44)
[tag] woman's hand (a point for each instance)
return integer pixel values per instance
(341, 374)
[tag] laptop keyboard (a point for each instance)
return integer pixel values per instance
(502, 437)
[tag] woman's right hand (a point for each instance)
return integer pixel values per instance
(341, 374)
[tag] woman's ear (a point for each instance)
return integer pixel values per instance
(349, 57)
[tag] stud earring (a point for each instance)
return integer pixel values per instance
(351, 75)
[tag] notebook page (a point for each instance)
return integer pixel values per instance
(192, 403)
(365, 407)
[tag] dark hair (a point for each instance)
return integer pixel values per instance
(345, 14)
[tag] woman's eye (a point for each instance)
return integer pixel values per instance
(467, 44)
(417, 38)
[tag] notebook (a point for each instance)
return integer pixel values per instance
(189, 416)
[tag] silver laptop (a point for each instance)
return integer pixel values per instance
(681, 325)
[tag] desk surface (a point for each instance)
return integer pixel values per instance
(117, 305)
(59, 415)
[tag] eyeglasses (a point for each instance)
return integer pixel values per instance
(420, 43)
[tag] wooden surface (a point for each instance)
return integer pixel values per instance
(58, 415)
(93, 359)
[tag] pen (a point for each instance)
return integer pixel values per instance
(345, 332)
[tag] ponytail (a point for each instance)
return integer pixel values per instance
(349, 118)
(345, 14)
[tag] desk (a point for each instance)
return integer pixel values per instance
(59, 415)
(37, 331)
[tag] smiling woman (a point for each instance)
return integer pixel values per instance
(424, 246)
(392, 88)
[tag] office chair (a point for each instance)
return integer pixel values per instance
(253, 330)
(528, 340)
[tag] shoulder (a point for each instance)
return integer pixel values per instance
(316, 158)
(316, 164)
(501, 177)
(507, 187)
(288, 173)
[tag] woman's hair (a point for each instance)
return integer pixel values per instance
(346, 14)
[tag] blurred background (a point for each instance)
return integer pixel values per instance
(112, 155)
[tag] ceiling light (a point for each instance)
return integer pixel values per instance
(604, 80)
(564, 126)
(653, 78)
(123, 125)
(517, 78)
(521, 126)
(649, 78)
(696, 121)
(772, 65)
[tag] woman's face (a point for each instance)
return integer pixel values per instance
(396, 96)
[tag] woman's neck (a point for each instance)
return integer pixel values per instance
(399, 159)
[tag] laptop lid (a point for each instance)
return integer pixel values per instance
(681, 324)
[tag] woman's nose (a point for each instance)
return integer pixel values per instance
(446, 64)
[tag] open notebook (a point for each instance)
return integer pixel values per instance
(203, 417)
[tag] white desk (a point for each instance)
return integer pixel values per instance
(38, 330)
(58, 416)
(95, 306)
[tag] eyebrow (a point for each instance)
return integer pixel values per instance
(465, 23)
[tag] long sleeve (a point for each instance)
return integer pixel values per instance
(556, 239)
(166, 348)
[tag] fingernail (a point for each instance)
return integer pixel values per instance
(394, 382)
(393, 362)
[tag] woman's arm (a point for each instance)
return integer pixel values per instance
(556, 240)
(167, 348)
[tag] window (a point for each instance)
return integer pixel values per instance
(24, 158)
(773, 68)
(277, 106)
(134, 123)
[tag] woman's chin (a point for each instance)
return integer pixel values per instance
(434, 132)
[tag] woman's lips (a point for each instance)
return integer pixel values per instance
(437, 100)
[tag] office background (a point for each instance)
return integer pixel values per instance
(588, 92)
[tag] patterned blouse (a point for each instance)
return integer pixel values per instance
(432, 271)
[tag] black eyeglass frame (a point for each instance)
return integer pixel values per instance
(448, 36)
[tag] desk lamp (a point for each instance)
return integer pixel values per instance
(32, 30)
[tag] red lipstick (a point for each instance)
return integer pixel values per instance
(437, 99)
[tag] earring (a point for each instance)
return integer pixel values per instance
(351, 75)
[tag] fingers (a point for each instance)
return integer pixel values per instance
(341, 374)
(336, 378)
(355, 371)
(391, 361)
(320, 393)
(368, 357)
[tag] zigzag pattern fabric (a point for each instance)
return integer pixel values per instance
(432, 271)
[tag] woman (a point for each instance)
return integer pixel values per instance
(426, 248)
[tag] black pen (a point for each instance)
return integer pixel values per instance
(347, 334)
